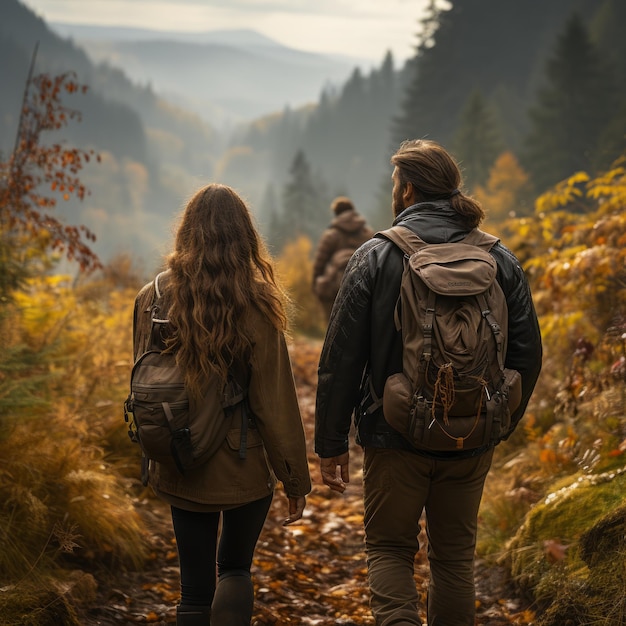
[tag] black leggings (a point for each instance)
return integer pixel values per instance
(197, 541)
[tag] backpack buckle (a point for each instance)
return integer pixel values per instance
(129, 418)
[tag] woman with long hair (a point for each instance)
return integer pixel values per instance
(226, 311)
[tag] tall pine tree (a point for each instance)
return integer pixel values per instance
(304, 205)
(412, 119)
(477, 142)
(572, 110)
(607, 32)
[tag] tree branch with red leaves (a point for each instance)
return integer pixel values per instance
(36, 174)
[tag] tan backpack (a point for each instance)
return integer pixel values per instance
(327, 284)
(454, 392)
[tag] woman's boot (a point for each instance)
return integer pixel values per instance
(233, 601)
(189, 615)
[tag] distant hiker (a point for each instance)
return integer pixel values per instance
(362, 365)
(347, 231)
(226, 314)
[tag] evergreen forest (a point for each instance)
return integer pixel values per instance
(530, 97)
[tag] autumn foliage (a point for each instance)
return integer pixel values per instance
(62, 490)
(295, 268)
(563, 471)
(36, 174)
(507, 191)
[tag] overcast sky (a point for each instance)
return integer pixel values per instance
(360, 28)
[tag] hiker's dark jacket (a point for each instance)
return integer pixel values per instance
(362, 340)
(349, 229)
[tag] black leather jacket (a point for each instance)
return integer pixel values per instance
(362, 341)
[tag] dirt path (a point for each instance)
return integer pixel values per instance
(312, 574)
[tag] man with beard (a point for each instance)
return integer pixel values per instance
(361, 350)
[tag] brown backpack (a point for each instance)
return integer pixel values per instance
(454, 392)
(172, 426)
(327, 284)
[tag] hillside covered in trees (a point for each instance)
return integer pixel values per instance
(149, 149)
(539, 82)
(542, 83)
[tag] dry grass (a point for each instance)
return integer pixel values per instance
(66, 496)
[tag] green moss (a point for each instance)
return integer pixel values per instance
(574, 507)
(570, 551)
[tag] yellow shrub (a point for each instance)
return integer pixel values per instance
(295, 269)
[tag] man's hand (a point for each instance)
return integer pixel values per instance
(336, 480)
(296, 508)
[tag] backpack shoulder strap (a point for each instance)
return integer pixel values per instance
(157, 287)
(142, 320)
(160, 283)
(146, 315)
(409, 243)
(404, 238)
(481, 239)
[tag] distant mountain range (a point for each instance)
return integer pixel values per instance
(161, 136)
(155, 154)
(223, 76)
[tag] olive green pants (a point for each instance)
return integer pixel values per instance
(398, 486)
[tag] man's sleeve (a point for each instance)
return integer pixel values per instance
(524, 347)
(343, 359)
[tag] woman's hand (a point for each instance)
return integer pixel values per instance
(296, 508)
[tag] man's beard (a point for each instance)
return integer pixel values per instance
(397, 204)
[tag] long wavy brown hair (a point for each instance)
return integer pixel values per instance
(435, 175)
(220, 270)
